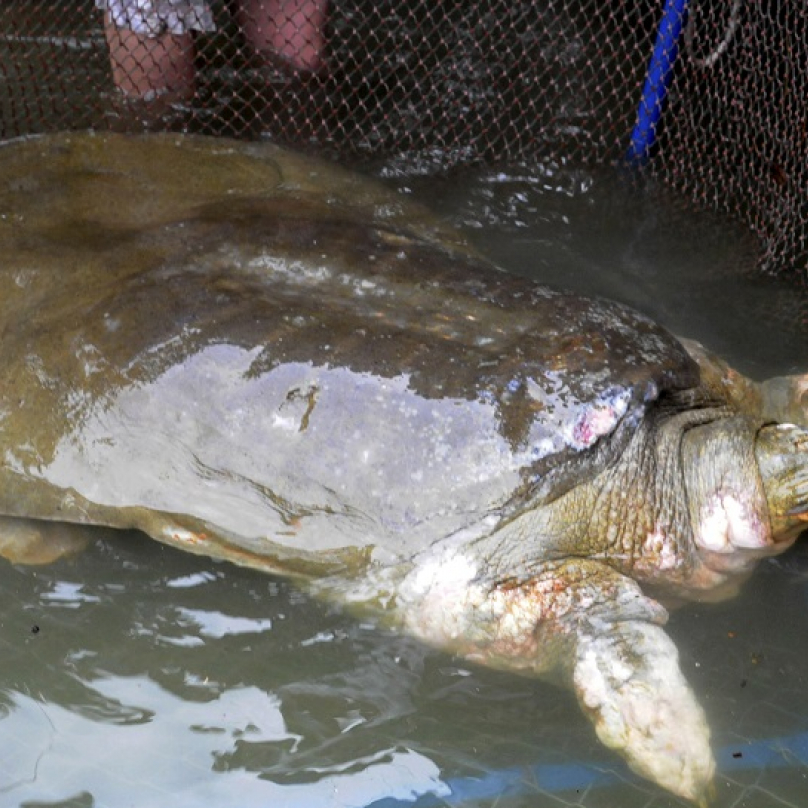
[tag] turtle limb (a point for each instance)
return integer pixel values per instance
(625, 672)
(32, 541)
(629, 684)
(579, 620)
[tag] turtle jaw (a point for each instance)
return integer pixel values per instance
(782, 456)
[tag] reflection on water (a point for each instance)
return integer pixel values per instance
(134, 674)
(137, 673)
(600, 233)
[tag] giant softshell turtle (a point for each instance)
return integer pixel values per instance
(254, 356)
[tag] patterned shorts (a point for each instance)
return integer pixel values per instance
(156, 17)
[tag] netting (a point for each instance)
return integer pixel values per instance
(452, 82)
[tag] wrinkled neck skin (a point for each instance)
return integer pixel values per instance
(683, 511)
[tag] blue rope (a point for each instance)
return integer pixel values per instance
(783, 752)
(660, 70)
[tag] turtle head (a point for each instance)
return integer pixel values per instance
(781, 451)
(747, 489)
(785, 399)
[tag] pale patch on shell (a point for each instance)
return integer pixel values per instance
(600, 418)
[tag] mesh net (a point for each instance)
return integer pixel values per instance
(453, 82)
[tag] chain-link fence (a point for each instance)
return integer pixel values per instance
(449, 82)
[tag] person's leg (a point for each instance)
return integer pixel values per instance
(145, 67)
(289, 30)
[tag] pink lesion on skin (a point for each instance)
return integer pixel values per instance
(670, 568)
(505, 625)
(522, 615)
(526, 617)
(593, 424)
(727, 524)
(675, 573)
(188, 537)
(731, 536)
(660, 552)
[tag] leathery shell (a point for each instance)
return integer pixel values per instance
(229, 345)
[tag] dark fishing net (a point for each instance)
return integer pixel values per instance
(460, 82)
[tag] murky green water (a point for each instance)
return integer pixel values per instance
(135, 675)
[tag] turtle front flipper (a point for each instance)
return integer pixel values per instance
(581, 621)
(628, 682)
(625, 673)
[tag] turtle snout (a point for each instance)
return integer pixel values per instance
(782, 456)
